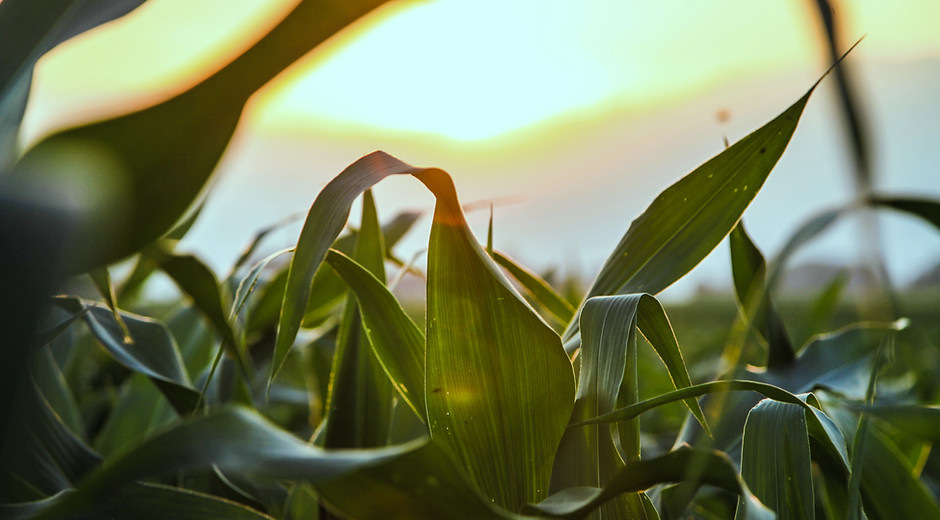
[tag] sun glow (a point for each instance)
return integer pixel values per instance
(463, 70)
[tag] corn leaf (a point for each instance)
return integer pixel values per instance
(195, 279)
(234, 439)
(423, 483)
(537, 287)
(165, 154)
(41, 456)
(397, 341)
(922, 422)
(776, 461)
(822, 309)
(499, 386)
(927, 209)
(588, 457)
(889, 486)
(52, 385)
(749, 270)
(27, 31)
(324, 221)
(682, 465)
(152, 351)
(359, 401)
(692, 216)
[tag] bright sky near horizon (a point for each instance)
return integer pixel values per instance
(465, 70)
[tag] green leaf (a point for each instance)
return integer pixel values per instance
(359, 401)
(196, 280)
(588, 456)
(822, 308)
(27, 31)
(692, 216)
(139, 411)
(53, 387)
(927, 209)
(775, 459)
(537, 287)
(152, 351)
(234, 439)
(164, 155)
(499, 385)
(749, 270)
(889, 487)
(146, 502)
(682, 465)
(396, 340)
(41, 456)
(325, 220)
(922, 422)
(423, 483)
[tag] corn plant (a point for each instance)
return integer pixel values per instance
(299, 386)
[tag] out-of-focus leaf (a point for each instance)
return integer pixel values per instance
(234, 439)
(359, 401)
(144, 502)
(700, 466)
(139, 411)
(196, 280)
(839, 361)
(397, 342)
(776, 461)
(749, 270)
(424, 483)
(153, 352)
(499, 386)
(41, 456)
(805, 233)
(539, 288)
(53, 387)
(247, 284)
(27, 31)
(166, 153)
(629, 412)
(325, 220)
(922, 422)
(927, 209)
(889, 488)
(822, 308)
(692, 216)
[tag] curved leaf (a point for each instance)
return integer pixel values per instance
(683, 465)
(165, 154)
(539, 288)
(749, 270)
(775, 459)
(27, 31)
(152, 351)
(499, 385)
(692, 216)
(423, 483)
(397, 341)
(234, 439)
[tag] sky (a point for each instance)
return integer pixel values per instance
(551, 108)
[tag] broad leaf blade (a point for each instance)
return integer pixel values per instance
(325, 220)
(775, 459)
(397, 341)
(683, 465)
(166, 153)
(750, 284)
(423, 483)
(152, 351)
(499, 385)
(690, 218)
(359, 402)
